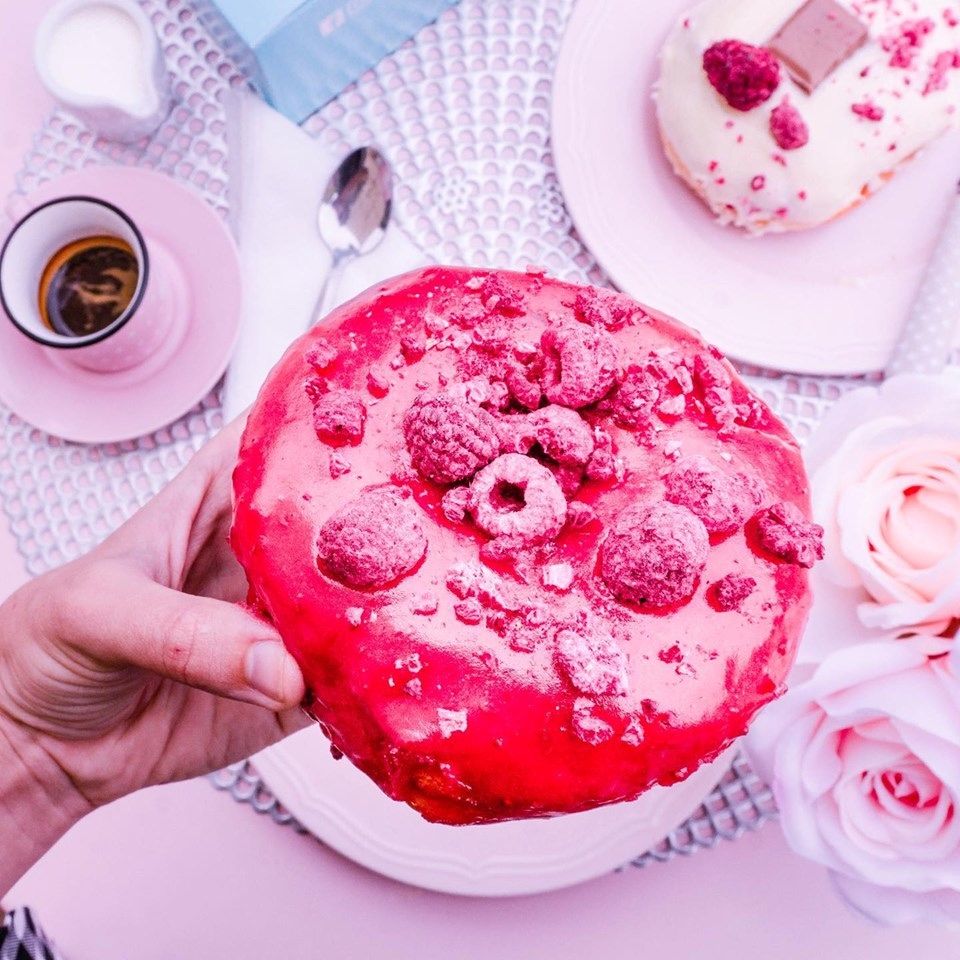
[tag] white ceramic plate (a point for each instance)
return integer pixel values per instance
(348, 812)
(825, 301)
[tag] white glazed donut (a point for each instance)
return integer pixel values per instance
(838, 143)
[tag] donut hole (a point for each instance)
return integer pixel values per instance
(507, 497)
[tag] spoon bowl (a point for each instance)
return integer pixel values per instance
(356, 204)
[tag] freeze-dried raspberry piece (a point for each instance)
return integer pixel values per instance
(449, 439)
(786, 533)
(788, 127)
(455, 503)
(413, 346)
(744, 75)
(729, 592)
(868, 110)
(604, 309)
(496, 295)
(339, 416)
(591, 658)
(322, 354)
(523, 382)
(586, 726)
(657, 385)
(714, 391)
(377, 383)
(517, 498)
(579, 364)
(580, 514)
(654, 554)
(372, 540)
(722, 501)
(338, 466)
(563, 434)
(469, 611)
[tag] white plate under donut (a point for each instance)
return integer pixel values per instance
(338, 804)
(826, 301)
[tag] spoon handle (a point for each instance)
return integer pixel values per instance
(327, 298)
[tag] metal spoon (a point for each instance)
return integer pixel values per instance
(353, 215)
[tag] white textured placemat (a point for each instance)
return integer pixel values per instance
(462, 112)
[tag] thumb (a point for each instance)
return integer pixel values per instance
(209, 644)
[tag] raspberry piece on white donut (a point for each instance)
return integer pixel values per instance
(654, 554)
(339, 416)
(744, 75)
(579, 364)
(519, 499)
(722, 501)
(788, 127)
(785, 532)
(563, 434)
(449, 438)
(372, 540)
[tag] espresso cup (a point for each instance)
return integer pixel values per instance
(130, 339)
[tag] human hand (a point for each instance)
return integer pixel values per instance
(134, 666)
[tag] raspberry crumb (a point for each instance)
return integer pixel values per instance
(372, 540)
(523, 382)
(586, 726)
(497, 296)
(451, 722)
(868, 110)
(519, 499)
(758, 182)
(591, 659)
(722, 501)
(468, 611)
(944, 62)
(321, 355)
(604, 309)
(377, 383)
(904, 44)
(558, 575)
(339, 417)
(785, 532)
(730, 592)
(413, 346)
(580, 364)
(744, 75)
(654, 554)
(455, 504)
(563, 434)
(424, 604)
(580, 515)
(449, 439)
(788, 127)
(338, 466)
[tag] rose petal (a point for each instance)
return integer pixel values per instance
(891, 905)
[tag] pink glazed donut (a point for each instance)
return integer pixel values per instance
(535, 547)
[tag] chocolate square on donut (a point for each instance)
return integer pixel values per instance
(820, 36)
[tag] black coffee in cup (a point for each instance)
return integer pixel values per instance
(87, 285)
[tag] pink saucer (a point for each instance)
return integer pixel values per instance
(179, 225)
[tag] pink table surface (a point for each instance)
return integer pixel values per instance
(182, 871)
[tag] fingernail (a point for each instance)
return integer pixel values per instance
(264, 666)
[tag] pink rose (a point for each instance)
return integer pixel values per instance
(885, 478)
(864, 762)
